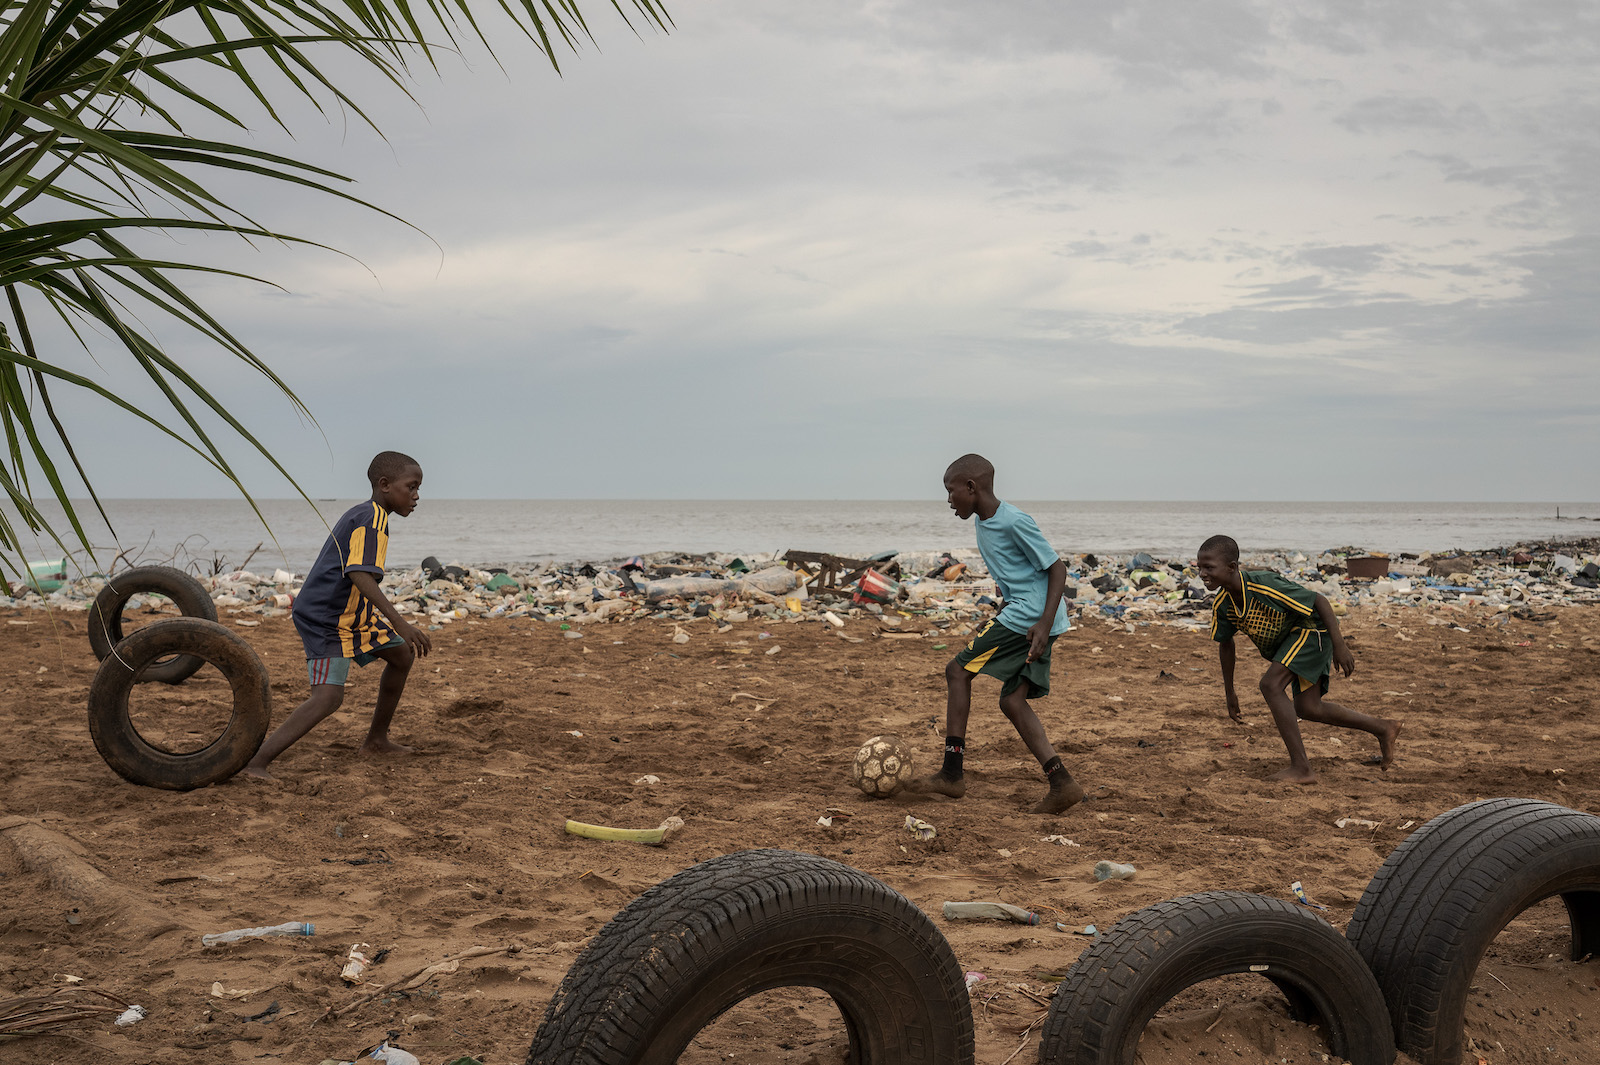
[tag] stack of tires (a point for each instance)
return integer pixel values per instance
(700, 942)
(1399, 976)
(169, 652)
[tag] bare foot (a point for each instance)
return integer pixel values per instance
(1295, 776)
(1386, 744)
(259, 772)
(383, 746)
(1061, 797)
(939, 784)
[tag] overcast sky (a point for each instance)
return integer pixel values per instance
(1155, 250)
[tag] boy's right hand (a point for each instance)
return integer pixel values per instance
(1233, 707)
(419, 640)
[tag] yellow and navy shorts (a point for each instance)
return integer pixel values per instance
(1308, 654)
(1002, 653)
(337, 670)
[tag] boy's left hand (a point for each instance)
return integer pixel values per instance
(1343, 660)
(1038, 640)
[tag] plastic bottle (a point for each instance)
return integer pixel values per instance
(394, 1055)
(290, 928)
(1104, 870)
(988, 911)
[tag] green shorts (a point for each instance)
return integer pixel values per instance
(337, 670)
(1002, 653)
(1308, 654)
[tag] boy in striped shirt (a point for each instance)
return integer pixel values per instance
(1294, 628)
(343, 616)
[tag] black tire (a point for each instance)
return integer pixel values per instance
(120, 744)
(1103, 1004)
(105, 614)
(1442, 896)
(696, 944)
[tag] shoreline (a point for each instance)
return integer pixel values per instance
(949, 590)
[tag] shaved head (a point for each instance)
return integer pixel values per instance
(1224, 547)
(390, 464)
(974, 468)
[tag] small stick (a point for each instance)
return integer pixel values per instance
(248, 557)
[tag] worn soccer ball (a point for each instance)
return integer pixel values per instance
(881, 767)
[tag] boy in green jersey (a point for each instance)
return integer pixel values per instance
(1295, 629)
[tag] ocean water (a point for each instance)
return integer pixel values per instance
(483, 532)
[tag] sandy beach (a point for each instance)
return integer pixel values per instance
(519, 727)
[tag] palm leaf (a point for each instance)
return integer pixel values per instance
(89, 143)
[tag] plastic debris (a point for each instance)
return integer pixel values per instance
(1360, 822)
(943, 594)
(973, 979)
(1300, 896)
(355, 964)
(651, 836)
(1104, 870)
(920, 828)
(131, 1015)
(393, 1055)
(988, 911)
(288, 928)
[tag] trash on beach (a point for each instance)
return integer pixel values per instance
(973, 979)
(833, 619)
(1104, 870)
(1300, 896)
(648, 778)
(1359, 822)
(356, 963)
(988, 911)
(393, 1055)
(1086, 930)
(653, 837)
(288, 928)
(1060, 840)
(920, 828)
(219, 991)
(130, 1016)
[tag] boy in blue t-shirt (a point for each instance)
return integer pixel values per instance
(1014, 647)
(343, 616)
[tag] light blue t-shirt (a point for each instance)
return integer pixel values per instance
(1018, 555)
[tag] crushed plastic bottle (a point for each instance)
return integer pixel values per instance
(393, 1055)
(289, 928)
(1104, 870)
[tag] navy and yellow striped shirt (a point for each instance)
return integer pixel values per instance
(1273, 607)
(332, 616)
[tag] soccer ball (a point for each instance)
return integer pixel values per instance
(881, 766)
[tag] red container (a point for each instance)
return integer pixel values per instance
(874, 587)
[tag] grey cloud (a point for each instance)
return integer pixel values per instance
(1345, 258)
(1395, 111)
(1091, 169)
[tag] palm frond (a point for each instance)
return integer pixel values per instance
(90, 143)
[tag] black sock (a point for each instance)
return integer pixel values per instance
(1053, 767)
(955, 748)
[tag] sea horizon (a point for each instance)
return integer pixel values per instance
(224, 532)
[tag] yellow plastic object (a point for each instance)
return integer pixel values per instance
(651, 836)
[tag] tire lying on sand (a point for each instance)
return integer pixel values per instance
(1103, 1004)
(105, 614)
(1442, 896)
(696, 944)
(136, 759)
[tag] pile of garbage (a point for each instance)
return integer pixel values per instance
(922, 592)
